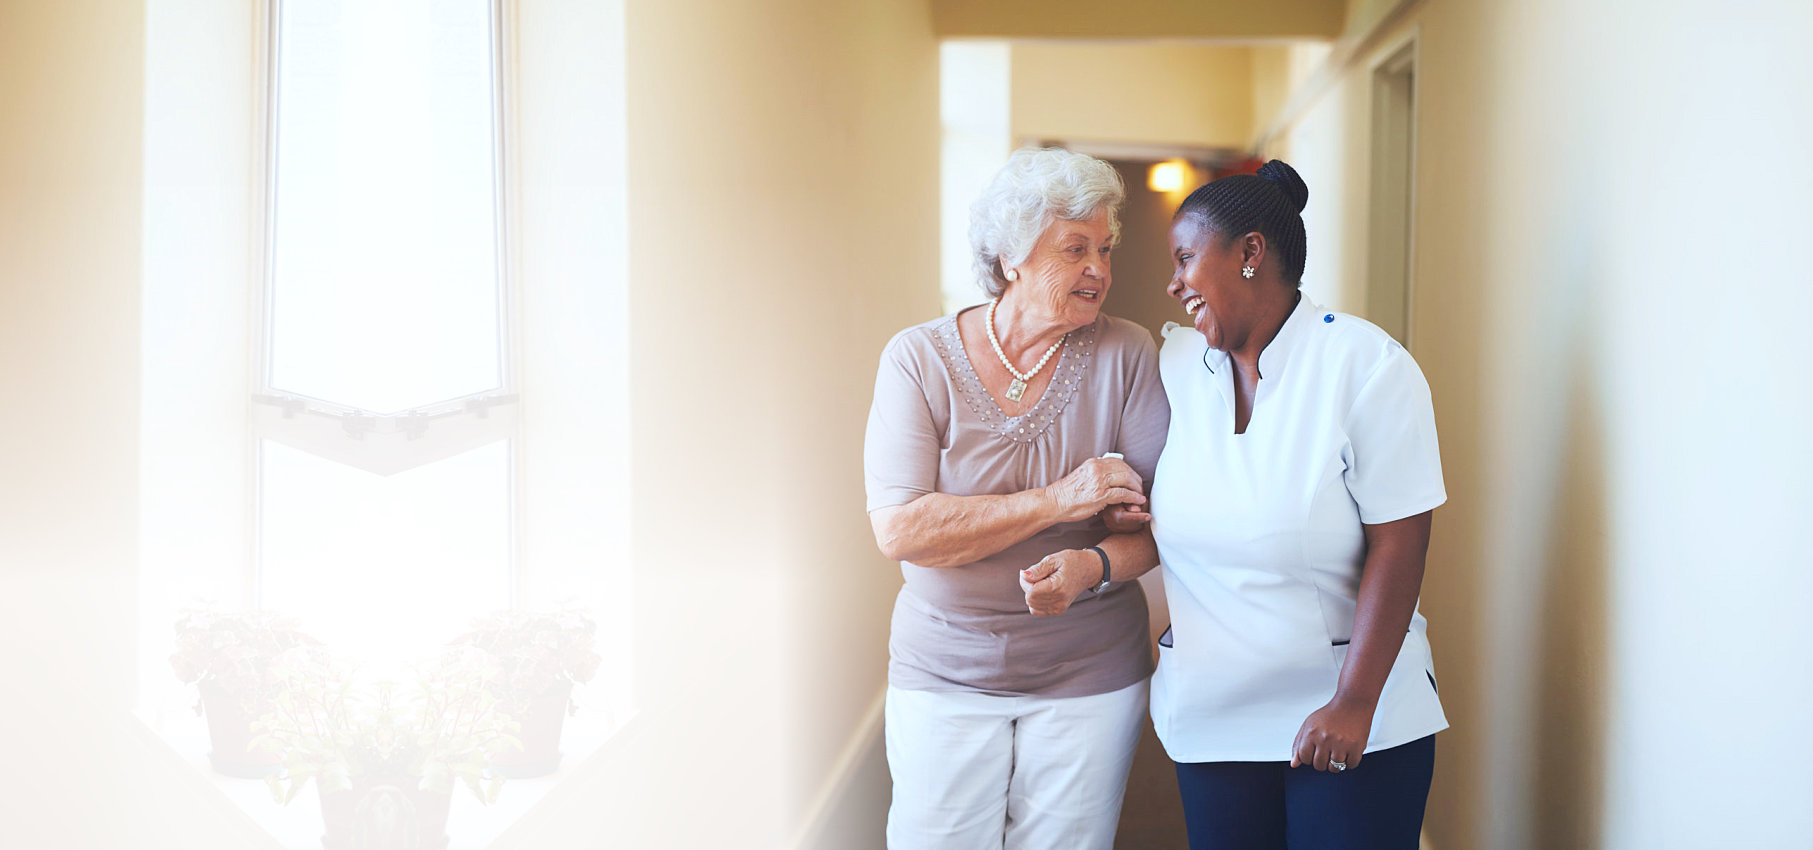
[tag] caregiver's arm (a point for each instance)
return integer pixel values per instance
(1390, 582)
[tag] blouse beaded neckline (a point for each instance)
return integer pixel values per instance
(1072, 367)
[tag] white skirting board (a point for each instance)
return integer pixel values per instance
(850, 811)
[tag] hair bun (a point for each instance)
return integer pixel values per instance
(1285, 177)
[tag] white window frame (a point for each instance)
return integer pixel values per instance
(386, 443)
(206, 275)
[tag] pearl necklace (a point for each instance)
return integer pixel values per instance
(1018, 387)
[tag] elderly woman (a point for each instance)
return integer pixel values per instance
(1295, 688)
(995, 444)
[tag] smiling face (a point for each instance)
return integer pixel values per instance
(1206, 282)
(1065, 279)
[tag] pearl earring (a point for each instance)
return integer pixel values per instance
(1246, 271)
(1015, 275)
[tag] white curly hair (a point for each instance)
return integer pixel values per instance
(1036, 187)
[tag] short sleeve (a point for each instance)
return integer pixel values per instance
(1394, 464)
(902, 446)
(1146, 416)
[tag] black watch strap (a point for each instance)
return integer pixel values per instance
(1105, 570)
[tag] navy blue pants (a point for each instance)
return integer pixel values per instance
(1269, 805)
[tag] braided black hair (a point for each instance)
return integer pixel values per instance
(1270, 202)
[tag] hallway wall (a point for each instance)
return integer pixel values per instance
(1610, 277)
(783, 208)
(71, 146)
(1152, 93)
(1204, 19)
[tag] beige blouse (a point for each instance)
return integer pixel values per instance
(934, 428)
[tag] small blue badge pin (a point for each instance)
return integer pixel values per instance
(1328, 318)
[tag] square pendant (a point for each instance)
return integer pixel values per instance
(1016, 389)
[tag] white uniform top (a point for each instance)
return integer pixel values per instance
(1260, 535)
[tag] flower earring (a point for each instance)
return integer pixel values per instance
(1246, 271)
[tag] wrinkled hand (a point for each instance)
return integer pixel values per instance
(1096, 484)
(1053, 583)
(1125, 519)
(1336, 731)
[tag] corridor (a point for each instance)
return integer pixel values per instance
(1587, 219)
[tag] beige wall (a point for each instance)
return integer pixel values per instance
(783, 224)
(1609, 286)
(1281, 71)
(1177, 94)
(1219, 19)
(69, 231)
(783, 203)
(71, 91)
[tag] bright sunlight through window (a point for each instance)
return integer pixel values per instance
(385, 222)
(386, 295)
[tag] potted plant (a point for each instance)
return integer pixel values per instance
(227, 656)
(384, 756)
(540, 656)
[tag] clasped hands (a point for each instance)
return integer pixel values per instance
(1107, 487)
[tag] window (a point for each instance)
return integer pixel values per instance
(329, 409)
(385, 416)
(384, 563)
(385, 249)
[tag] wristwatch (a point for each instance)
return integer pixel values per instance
(1105, 571)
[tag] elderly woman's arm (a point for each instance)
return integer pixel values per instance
(941, 530)
(1053, 583)
(1390, 582)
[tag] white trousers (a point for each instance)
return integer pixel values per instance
(973, 771)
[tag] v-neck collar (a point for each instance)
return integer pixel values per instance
(1071, 367)
(1276, 356)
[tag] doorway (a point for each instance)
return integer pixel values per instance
(1390, 234)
